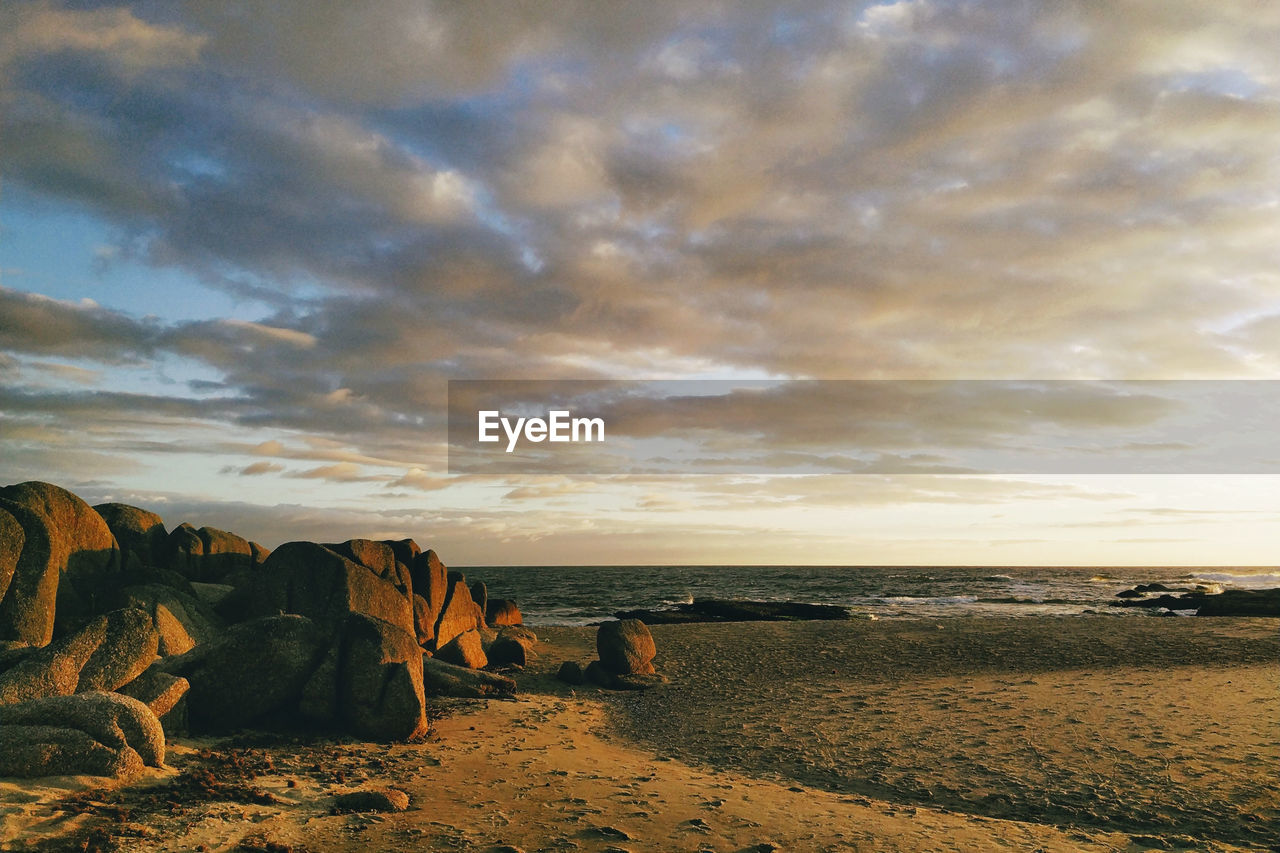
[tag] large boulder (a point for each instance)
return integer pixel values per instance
(253, 670)
(466, 649)
(137, 531)
(380, 692)
(459, 614)
(430, 580)
(95, 733)
(164, 694)
(225, 554)
(406, 550)
(502, 611)
(379, 558)
(69, 560)
(480, 595)
(369, 683)
(181, 619)
(110, 651)
(446, 679)
(11, 541)
(313, 581)
(626, 647)
(183, 551)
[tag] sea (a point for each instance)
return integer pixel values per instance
(581, 595)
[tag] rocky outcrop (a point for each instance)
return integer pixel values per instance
(369, 683)
(502, 611)
(446, 679)
(95, 733)
(183, 551)
(626, 647)
(378, 557)
(68, 561)
(109, 652)
(466, 649)
(1242, 602)
(459, 615)
(480, 595)
(165, 695)
(11, 541)
(181, 620)
(225, 555)
(430, 580)
(737, 610)
(137, 531)
(255, 669)
(314, 581)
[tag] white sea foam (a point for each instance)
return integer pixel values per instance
(1233, 580)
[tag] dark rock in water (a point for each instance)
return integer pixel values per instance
(626, 647)
(256, 668)
(110, 651)
(732, 610)
(372, 800)
(101, 734)
(1129, 593)
(571, 672)
(1241, 602)
(466, 650)
(137, 531)
(314, 581)
(502, 611)
(1186, 601)
(69, 559)
(1153, 587)
(445, 679)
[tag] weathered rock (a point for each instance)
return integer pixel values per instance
(255, 669)
(30, 751)
(159, 690)
(459, 615)
(110, 651)
(406, 550)
(626, 647)
(182, 620)
(225, 554)
(596, 674)
(112, 720)
(430, 581)
(380, 693)
(464, 650)
(137, 531)
(480, 595)
(424, 626)
(11, 542)
(68, 560)
(378, 557)
(445, 679)
(506, 651)
(571, 672)
(372, 800)
(183, 551)
(313, 581)
(260, 554)
(502, 611)
(212, 594)
(1129, 593)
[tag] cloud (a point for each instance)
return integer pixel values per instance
(257, 468)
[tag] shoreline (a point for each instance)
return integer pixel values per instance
(738, 750)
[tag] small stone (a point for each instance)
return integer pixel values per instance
(372, 800)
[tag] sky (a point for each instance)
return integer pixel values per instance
(244, 248)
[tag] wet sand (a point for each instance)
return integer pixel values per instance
(1057, 735)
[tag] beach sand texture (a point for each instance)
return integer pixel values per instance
(967, 734)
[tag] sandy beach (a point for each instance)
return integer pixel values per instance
(968, 734)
